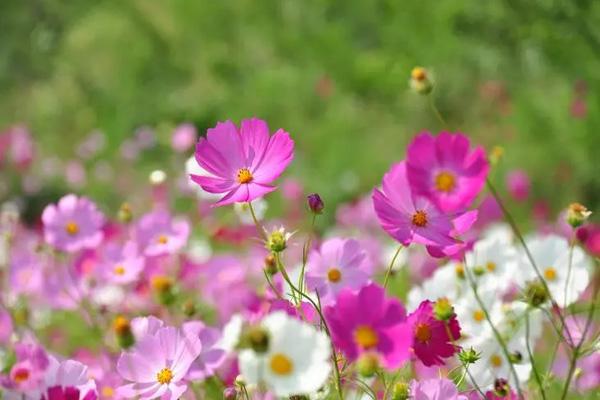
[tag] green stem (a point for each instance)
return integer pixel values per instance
(437, 112)
(305, 253)
(259, 227)
(388, 272)
(536, 374)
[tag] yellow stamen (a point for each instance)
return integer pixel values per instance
(419, 218)
(72, 228)
(418, 73)
(164, 376)
(119, 270)
(496, 361)
(244, 176)
(281, 364)
(366, 337)
(445, 182)
(550, 274)
(334, 275)
(108, 391)
(422, 332)
(162, 239)
(161, 283)
(478, 315)
(491, 266)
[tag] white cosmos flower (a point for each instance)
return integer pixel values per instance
(447, 281)
(499, 232)
(232, 331)
(243, 211)
(496, 263)
(296, 362)
(551, 255)
(471, 315)
(192, 167)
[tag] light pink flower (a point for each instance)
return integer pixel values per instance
(158, 234)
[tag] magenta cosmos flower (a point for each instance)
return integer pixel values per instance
(338, 264)
(408, 218)
(242, 162)
(445, 170)
(73, 224)
(368, 322)
(431, 340)
(158, 364)
(68, 380)
(435, 389)
(157, 233)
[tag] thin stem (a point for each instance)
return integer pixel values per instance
(259, 227)
(305, 249)
(388, 272)
(494, 330)
(437, 112)
(536, 374)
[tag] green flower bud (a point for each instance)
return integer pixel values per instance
(367, 364)
(577, 214)
(401, 391)
(469, 356)
(535, 293)
(443, 310)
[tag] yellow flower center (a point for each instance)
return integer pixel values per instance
(72, 228)
(445, 182)
(419, 218)
(244, 176)
(119, 270)
(162, 239)
(550, 274)
(418, 73)
(460, 270)
(161, 283)
(164, 376)
(422, 332)
(108, 391)
(478, 315)
(365, 337)
(121, 325)
(496, 361)
(334, 275)
(281, 364)
(491, 266)
(21, 375)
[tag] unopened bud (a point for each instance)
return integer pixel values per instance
(270, 264)
(535, 293)
(230, 393)
(577, 214)
(420, 81)
(460, 270)
(315, 203)
(125, 215)
(469, 356)
(367, 364)
(256, 338)
(163, 287)
(479, 270)
(157, 177)
(515, 357)
(496, 154)
(401, 391)
(122, 330)
(443, 310)
(277, 240)
(501, 387)
(189, 308)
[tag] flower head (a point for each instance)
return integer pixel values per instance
(73, 224)
(338, 264)
(435, 389)
(122, 264)
(211, 356)
(445, 170)
(158, 234)
(242, 163)
(158, 364)
(296, 361)
(367, 321)
(431, 337)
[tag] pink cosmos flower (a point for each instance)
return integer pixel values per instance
(27, 375)
(183, 137)
(121, 264)
(158, 234)
(409, 218)
(68, 380)
(75, 223)
(242, 162)
(158, 365)
(518, 184)
(444, 170)
(435, 389)
(338, 264)
(368, 322)
(144, 326)
(431, 342)
(211, 356)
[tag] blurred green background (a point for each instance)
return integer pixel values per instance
(333, 73)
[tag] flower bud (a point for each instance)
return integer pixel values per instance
(157, 177)
(401, 391)
(122, 330)
(256, 338)
(270, 265)
(496, 154)
(164, 288)
(535, 293)
(469, 356)
(479, 270)
(501, 387)
(315, 203)
(577, 214)
(367, 364)
(443, 310)
(125, 215)
(515, 357)
(230, 393)
(420, 81)
(277, 240)
(189, 308)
